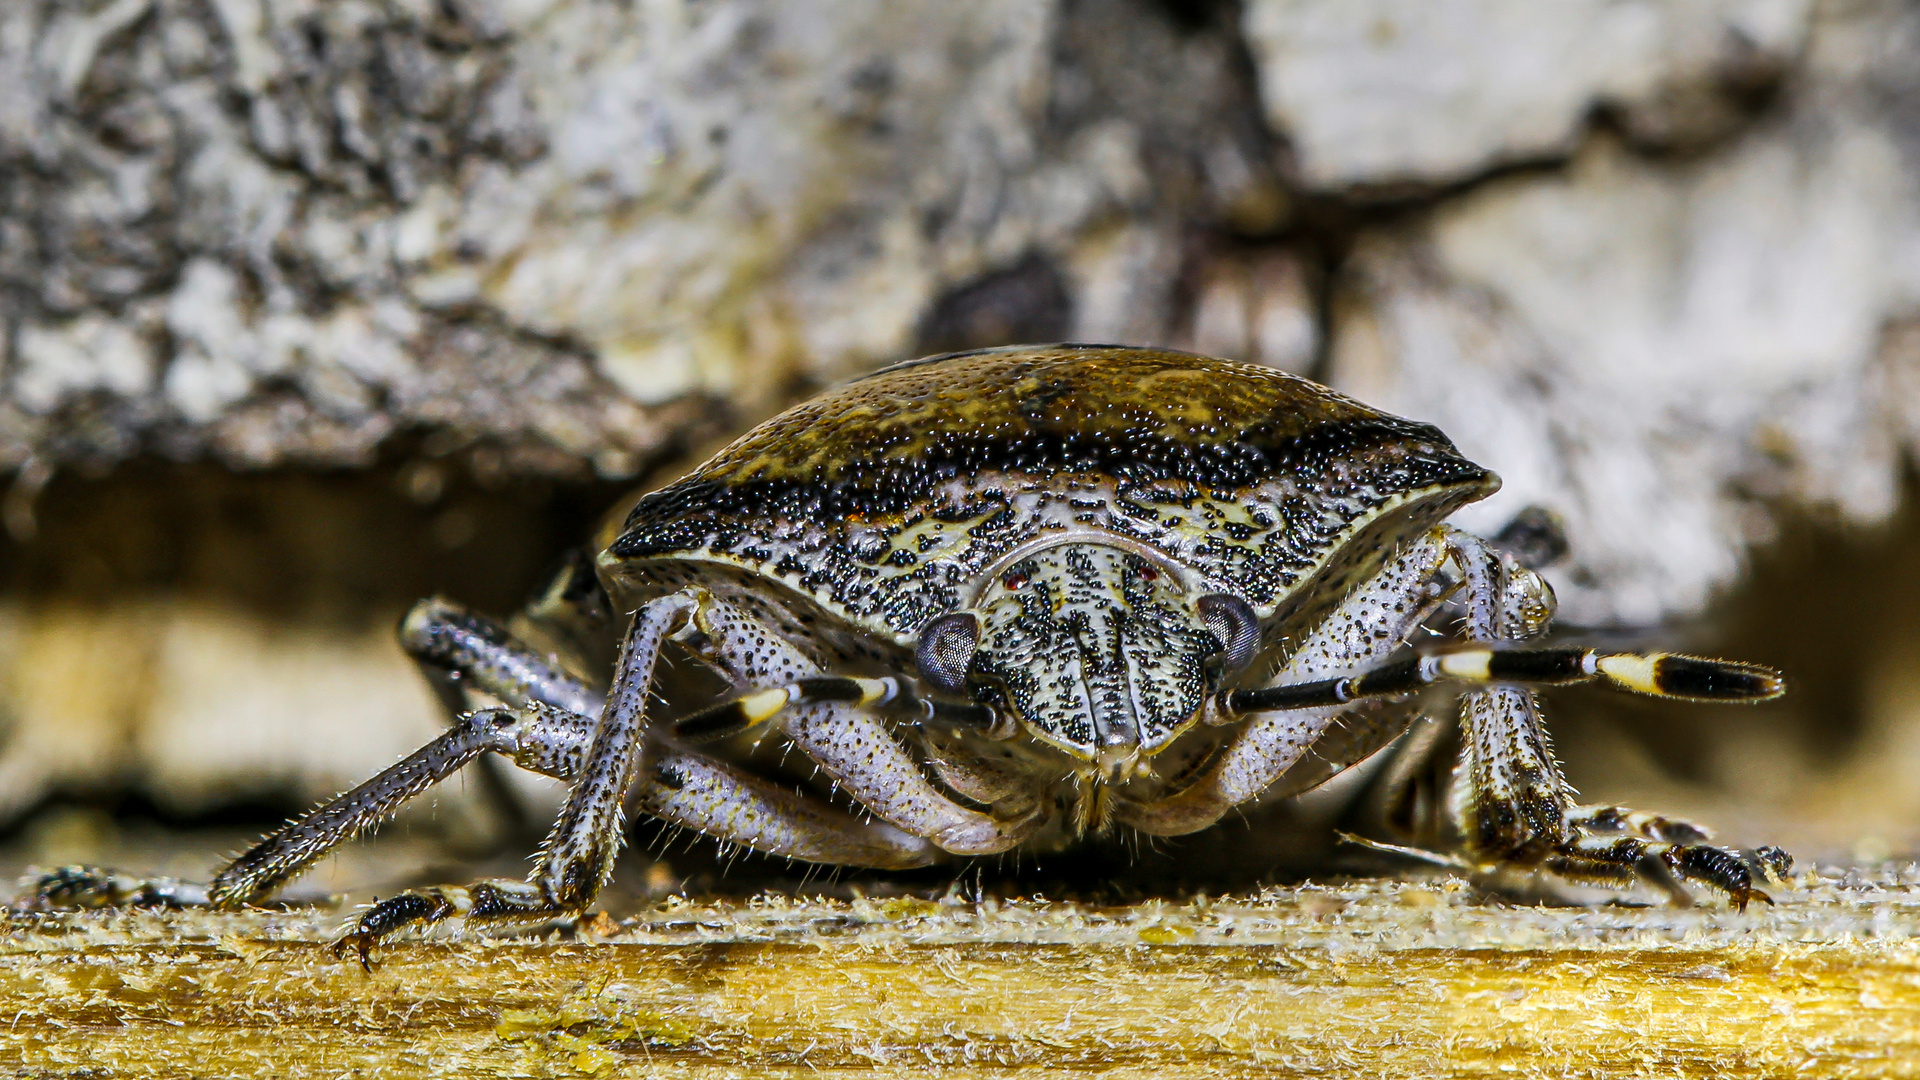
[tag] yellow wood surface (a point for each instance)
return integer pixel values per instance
(1371, 979)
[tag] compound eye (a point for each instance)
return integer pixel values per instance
(1234, 623)
(946, 650)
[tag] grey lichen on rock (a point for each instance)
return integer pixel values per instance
(277, 230)
(199, 228)
(283, 231)
(1668, 352)
(1383, 93)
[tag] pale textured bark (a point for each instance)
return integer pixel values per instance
(1382, 981)
(1386, 92)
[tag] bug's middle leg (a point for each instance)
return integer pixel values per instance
(1506, 604)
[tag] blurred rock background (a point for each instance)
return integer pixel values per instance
(309, 309)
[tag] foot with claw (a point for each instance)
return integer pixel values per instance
(386, 916)
(1613, 846)
(491, 903)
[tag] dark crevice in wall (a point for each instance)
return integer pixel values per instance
(309, 544)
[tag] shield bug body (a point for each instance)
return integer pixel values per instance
(1014, 596)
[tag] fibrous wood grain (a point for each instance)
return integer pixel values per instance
(1374, 979)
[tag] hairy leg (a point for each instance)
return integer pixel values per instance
(547, 709)
(295, 846)
(579, 851)
(685, 788)
(456, 648)
(1514, 807)
(1597, 827)
(682, 787)
(867, 762)
(720, 800)
(688, 788)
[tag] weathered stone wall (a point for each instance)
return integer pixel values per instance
(1690, 320)
(1642, 258)
(279, 230)
(1656, 262)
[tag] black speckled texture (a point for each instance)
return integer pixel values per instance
(885, 499)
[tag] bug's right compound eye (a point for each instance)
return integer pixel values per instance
(1234, 623)
(946, 650)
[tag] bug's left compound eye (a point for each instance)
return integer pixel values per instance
(1235, 624)
(946, 650)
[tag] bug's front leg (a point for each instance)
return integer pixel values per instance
(1514, 809)
(1511, 802)
(713, 797)
(578, 854)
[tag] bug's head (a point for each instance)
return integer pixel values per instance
(1097, 650)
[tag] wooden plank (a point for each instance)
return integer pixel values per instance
(1375, 979)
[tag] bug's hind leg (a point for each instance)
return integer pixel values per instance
(1622, 859)
(456, 648)
(539, 736)
(541, 654)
